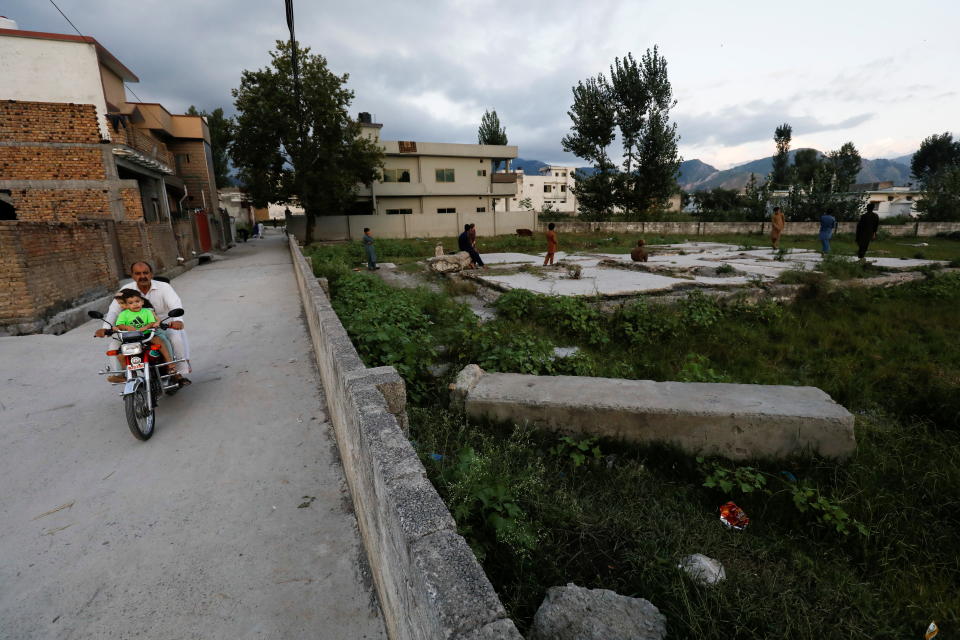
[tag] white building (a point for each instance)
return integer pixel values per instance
(429, 190)
(549, 189)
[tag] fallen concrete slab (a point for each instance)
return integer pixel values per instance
(737, 421)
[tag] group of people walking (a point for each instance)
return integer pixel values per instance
(866, 231)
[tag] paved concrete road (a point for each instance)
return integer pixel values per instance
(232, 522)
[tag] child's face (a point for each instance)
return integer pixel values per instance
(135, 304)
(122, 303)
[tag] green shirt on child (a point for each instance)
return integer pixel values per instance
(139, 319)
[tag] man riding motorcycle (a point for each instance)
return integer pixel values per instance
(163, 298)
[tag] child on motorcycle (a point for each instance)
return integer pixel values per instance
(136, 316)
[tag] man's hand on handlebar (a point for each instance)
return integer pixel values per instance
(174, 324)
(100, 333)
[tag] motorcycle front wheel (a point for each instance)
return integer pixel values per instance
(140, 415)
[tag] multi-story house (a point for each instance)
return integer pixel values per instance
(89, 181)
(551, 189)
(430, 189)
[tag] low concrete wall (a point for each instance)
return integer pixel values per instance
(737, 421)
(917, 229)
(429, 583)
(415, 225)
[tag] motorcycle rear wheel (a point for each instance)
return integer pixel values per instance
(141, 417)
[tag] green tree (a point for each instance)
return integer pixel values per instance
(936, 153)
(490, 132)
(594, 120)
(310, 153)
(846, 164)
(755, 198)
(655, 177)
(941, 198)
(221, 135)
(805, 165)
(780, 177)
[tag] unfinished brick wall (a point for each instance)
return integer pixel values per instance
(60, 205)
(51, 163)
(48, 267)
(197, 173)
(132, 204)
(163, 246)
(48, 122)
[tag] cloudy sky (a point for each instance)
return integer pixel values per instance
(881, 74)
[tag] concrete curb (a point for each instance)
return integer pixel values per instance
(428, 581)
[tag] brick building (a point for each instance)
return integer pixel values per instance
(90, 182)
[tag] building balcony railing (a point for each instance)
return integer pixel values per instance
(503, 177)
(124, 134)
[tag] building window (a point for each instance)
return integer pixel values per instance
(546, 188)
(396, 175)
(563, 174)
(889, 198)
(563, 188)
(482, 172)
(447, 210)
(399, 212)
(407, 146)
(181, 159)
(445, 175)
(481, 209)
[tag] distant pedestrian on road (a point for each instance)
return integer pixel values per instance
(368, 247)
(777, 223)
(464, 244)
(551, 244)
(867, 227)
(639, 252)
(828, 225)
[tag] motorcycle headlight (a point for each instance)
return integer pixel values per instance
(130, 349)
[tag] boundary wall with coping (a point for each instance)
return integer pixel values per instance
(414, 225)
(429, 583)
(917, 229)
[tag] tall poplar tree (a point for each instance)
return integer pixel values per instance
(780, 177)
(490, 132)
(592, 132)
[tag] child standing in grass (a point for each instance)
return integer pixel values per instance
(551, 244)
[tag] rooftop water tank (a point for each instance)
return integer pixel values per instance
(7, 23)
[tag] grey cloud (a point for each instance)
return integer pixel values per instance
(734, 125)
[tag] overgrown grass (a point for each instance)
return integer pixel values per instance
(622, 518)
(873, 553)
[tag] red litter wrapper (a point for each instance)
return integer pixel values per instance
(733, 516)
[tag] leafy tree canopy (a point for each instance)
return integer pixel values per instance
(313, 152)
(936, 153)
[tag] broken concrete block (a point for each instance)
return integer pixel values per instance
(449, 263)
(736, 421)
(575, 613)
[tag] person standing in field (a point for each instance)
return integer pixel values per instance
(551, 244)
(827, 226)
(867, 227)
(368, 247)
(777, 223)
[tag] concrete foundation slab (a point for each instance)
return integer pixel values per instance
(737, 421)
(678, 264)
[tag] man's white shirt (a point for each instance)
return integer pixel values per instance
(161, 296)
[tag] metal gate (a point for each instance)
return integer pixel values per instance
(203, 230)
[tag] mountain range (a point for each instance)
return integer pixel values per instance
(696, 175)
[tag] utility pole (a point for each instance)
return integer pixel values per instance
(301, 133)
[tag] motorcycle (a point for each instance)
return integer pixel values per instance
(141, 363)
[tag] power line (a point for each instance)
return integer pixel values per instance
(66, 18)
(127, 86)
